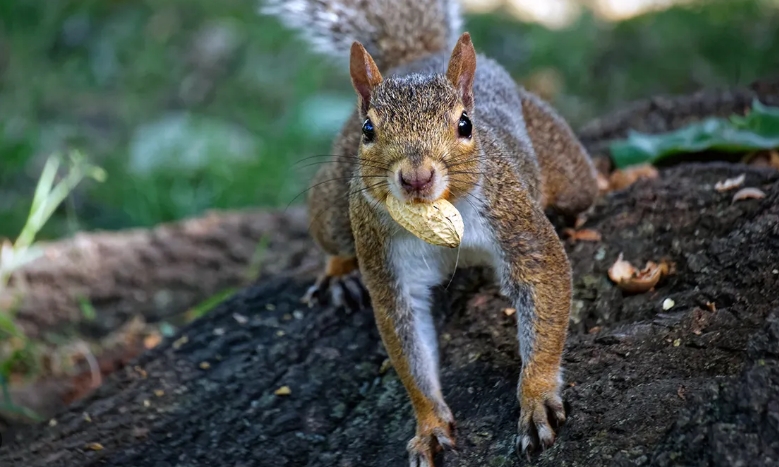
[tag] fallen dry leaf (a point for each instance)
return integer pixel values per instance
(180, 341)
(152, 340)
(509, 311)
(140, 371)
(730, 183)
(630, 280)
(763, 159)
(620, 179)
(748, 193)
(94, 447)
(581, 219)
(283, 391)
(584, 235)
(621, 270)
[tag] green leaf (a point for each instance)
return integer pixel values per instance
(210, 303)
(8, 326)
(758, 130)
(87, 310)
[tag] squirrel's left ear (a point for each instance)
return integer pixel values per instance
(365, 75)
(462, 68)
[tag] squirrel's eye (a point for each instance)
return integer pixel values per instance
(367, 130)
(464, 126)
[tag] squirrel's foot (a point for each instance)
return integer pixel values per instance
(341, 291)
(540, 418)
(430, 440)
(340, 285)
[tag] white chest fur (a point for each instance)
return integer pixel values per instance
(418, 262)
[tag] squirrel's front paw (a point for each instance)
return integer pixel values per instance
(541, 415)
(429, 441)
(346, 290)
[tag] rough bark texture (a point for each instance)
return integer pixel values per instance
(155, 273)
(685, 386)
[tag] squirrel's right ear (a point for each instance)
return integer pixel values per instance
(365, 74)
(462, 69)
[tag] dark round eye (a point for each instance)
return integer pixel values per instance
(464, 126)
(367, 130)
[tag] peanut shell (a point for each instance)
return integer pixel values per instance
(438, 223)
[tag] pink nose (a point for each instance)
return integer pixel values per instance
(418, 180)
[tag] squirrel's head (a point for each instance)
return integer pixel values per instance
(418, 141)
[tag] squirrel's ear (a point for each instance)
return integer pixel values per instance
(462, 68)
(365, 74)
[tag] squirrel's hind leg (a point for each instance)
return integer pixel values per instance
(328, 208)
(568, 177)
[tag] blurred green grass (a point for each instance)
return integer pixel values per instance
(200, 104)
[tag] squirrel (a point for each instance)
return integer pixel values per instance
(434, 120)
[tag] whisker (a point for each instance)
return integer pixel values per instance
(331, 180)
(347, 195)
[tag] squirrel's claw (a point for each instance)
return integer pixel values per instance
(424, 446)
(345, 291)
(537, 425)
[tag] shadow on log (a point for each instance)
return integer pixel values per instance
(696, 384)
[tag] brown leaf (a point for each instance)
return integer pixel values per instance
(631, 280)
(763, 159)
(748, 193)
(152, 340)
(584, 235)
(620, 179)
(621, 270)
(730, 183)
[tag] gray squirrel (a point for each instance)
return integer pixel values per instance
(435, 120)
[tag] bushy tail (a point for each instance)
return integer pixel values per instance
(394, 32)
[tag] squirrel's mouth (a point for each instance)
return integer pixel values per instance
(418, 184)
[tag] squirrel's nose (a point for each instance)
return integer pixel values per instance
(417, 180)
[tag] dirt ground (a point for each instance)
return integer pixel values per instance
(697, 384)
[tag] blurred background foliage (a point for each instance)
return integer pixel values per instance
(200, 104)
